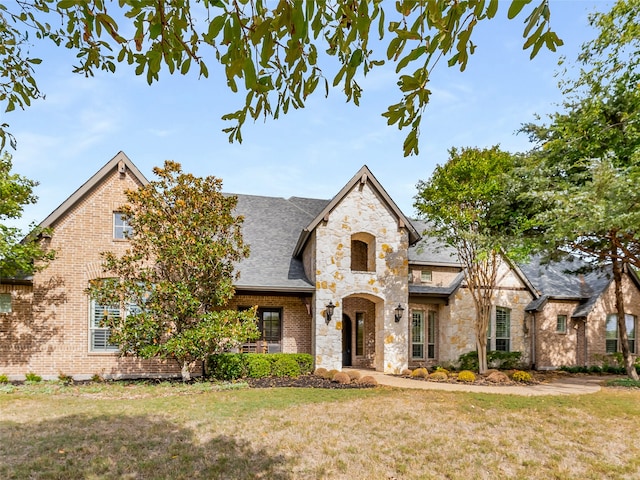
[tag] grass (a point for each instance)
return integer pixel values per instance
(173, 431)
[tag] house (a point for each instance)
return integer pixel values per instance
(350, 280)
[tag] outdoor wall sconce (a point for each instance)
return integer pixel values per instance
(399, 311)
(329, 312)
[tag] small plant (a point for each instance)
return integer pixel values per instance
(624, 382)
(439, 375)
(406, 372)
(321, 372)
(32, 377)
(521, 376)
(331, 374)
(443, 370)
(285, 366)
(97, 378)
(341, 378)
(368, 380)
(353, 375)
(65, 379)
(420, 373)
(466, 376)
(4, 378)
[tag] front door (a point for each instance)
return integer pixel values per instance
(346, 341)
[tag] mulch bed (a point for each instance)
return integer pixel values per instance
(304, 381)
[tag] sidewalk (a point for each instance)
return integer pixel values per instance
(561, 386)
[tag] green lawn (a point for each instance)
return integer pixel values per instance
(172, 431)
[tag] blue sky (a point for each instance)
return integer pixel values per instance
(83, 122)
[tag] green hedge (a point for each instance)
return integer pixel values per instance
(495, 359)
(232, 366)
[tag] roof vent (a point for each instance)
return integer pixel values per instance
(122, 167)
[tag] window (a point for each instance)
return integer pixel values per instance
(561, 324)
(425, 276)
(431, 328)
(502, 329)
(359, 333)
(5, 303)
(98, 332)
(362, 252)
(121, 228)
(611, 333)
(270, 324)
(417, 334)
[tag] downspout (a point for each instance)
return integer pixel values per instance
(586, 342)
(533, 340)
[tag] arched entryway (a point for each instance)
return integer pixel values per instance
(347, 332)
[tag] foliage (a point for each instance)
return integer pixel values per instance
(177, 275)
(20, 255)
(65, 379)
(354, 375)
(420, 373)
(285, 366)
(495, 358)
(257, 366)
(521, 376)
(462, 201)
(466, 376)
(368, 380)
(97, 378)
(4, 378)
(586, 162)
(272, 51)
(342, 378)
(438, 375)
(232, 366)
(32, 377)
(623, 382)
(321, 372)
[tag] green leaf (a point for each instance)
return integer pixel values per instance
(516, 7)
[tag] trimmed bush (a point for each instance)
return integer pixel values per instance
(406, 372)
(353, 375)
(285, 366)
(438, 376)
(495, 359)
(520, 376)
(497, 377)
(342, 378)
(466, 376)
(4, 378)
(305, 361)
(368, 380)
(331, 374)
(257, 365)
(420, 373)
(227, 366)
(443, 370)
(321, 372)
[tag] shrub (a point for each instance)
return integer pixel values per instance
(285, 366)
(305, 361)
(227, 366)
(353, 375)
(32, 377)
(520, 376)
(66, 379)
(4, 378)
(368, 380)
(466, 376)
(331, 374)
(468, 361)
(497, 377)
(257, 365)
(443, 370)
(495, 359)
(342, 378)
(97, 378)
(595, 369)
(420, 373)
(406, 372)
(438, 376)
(321, 372)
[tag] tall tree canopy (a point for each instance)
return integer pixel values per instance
(177, 276)
(462, 202)
(20, 255)
(271, 50)
(585, 168)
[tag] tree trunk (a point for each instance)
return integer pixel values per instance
(483, 311)
(623, 337)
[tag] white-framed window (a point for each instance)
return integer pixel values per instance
(417, 334)
(612, 336)
(425, 276)
(561, 324)
(99, 333)
(499, 331)
(5, 303)
(431, 334)
(121, 228)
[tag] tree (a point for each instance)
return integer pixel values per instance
(461, 201)
(20, 255)
(176, 277)
(586, 165)
(271, 50)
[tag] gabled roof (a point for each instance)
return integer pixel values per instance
(429, 251)
(363, 176)
(120, 161)
(558, 281)
(271, 227)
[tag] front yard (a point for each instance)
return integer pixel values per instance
(174, 431)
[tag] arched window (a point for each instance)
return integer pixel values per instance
(363, 253)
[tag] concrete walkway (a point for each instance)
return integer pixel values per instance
(559, 386)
